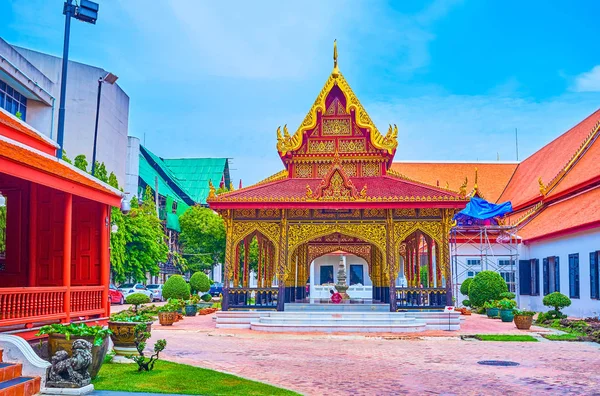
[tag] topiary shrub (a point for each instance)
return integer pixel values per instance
(557, 301)
(136, 299)
(467, 303)
(199, 282)
(486, 286)
(464, 288)
(508, 295)
(176, 287)
(206, 298)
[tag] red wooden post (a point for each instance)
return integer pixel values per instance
(104, 257)
(67, 235)
(33, 235)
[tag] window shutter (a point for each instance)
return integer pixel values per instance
(546, 278)
(536, 283)
(556, 274)
(594, 293)
(524, 277)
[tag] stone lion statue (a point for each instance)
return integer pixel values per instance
(71, 372)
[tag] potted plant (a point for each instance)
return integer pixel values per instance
(61, 337)
(190, 306)
(122, 324)
(523, 319)
(506, 307)
(167, 314)
(206, 301)
(200, 283)
(490, 309)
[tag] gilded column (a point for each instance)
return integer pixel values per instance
(229, 257)
(246, 272)
(447, 215)
(282, 261)
(392, 263)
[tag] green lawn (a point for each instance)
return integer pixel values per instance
(169, 377)
(561, 337)
(505, 337)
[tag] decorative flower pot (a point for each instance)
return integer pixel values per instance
(492, 312)
(190, 310)
(506, 315)
(166, 318)
(58, 342)
(523, 322)
(123, 336)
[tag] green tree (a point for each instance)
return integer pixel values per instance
(145, 239)
(81, 162)
(486, 287)
(202, 238)
(100, 172)
(65, 158)
(424, 275)
(2, 229)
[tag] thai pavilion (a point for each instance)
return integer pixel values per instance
(337, 193)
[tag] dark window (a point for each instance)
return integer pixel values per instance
(595, 275)
(356, 275)
(551, 275)
(509, 277)
(574, 275)
(535, 271)
(326, 274)
(525, 277)
(12, 101)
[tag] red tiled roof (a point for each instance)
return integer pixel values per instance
(546, 163)
(14, 123)
(491, 181)
(573, 214)
(383, 188)
(586, 169)
(52, 166)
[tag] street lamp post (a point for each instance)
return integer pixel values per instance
(87, 11)
(110, 79)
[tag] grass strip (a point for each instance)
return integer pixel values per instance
(171, 378)
(561, 337)
(505, 337)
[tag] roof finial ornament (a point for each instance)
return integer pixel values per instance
(336, 71)
(542, 187)
(211, 190)
(462, 192)
(475, 186)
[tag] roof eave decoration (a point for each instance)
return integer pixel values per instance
(288, 143)
(336, 186)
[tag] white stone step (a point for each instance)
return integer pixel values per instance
(327, 328)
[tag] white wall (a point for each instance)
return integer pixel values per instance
(582, 243)
(82, 92)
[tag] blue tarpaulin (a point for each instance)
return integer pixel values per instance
(479, 210)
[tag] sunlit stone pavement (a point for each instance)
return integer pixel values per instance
(434, 362)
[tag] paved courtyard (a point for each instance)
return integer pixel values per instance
(435, 362)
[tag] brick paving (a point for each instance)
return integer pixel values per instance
(433, 362)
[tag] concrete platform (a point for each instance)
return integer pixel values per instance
(299, 307)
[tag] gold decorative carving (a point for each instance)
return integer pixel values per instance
(241, 229)
(322, 169)
(429, 212)
(462, 192)
(269, 213)
(351, 146)
(405, 213)
(309, 192)
(370, 169)
(244, 213)
(212, 192)
(321, 146)
(299, 213)
(362, 250)
(336, 127)
(376, 213)
(350, 169)
(542, 187)
(303, 170)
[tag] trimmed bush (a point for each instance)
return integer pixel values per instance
(464, 288)
(486, 286)
(557, 301)
(199, 282)
(508, 295)
(206, 298)
(466, 303)
(136, 299)
(176, 287)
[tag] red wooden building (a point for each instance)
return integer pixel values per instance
(54, 256)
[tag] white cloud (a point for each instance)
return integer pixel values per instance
(588, 81)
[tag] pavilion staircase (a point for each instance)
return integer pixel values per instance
(12, 381)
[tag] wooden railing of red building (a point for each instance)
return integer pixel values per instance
(29, 305)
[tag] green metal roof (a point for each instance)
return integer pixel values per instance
(193, 174)
(148, 174)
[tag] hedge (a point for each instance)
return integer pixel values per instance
(486, 286)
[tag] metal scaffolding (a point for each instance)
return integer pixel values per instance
(495, 246)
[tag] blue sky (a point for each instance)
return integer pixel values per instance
(218, 78)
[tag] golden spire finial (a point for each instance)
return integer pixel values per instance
(336, 71)
(211, 190)
(463, 189)
(475, 186)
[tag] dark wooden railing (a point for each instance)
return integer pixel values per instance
(254, 298)
(417, 297)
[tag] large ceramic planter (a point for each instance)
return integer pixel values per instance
(123, 336)
(166, 318)
(58, 342)
(506, 315)
(190, 310)
(523, 322)
(492, 312)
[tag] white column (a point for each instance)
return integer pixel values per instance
(312, 281)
